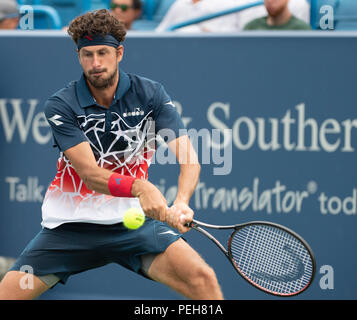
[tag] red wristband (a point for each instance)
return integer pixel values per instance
(120, 185)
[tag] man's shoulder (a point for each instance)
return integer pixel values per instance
(137, 80)
(255, 24)
(64, 93)
(64, 98)
(144, 87)
(299, 24)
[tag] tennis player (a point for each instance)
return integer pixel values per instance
(100, 124)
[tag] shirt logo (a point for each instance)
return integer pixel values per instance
(170, 103)
(89, 38)
(136, 112)
(169, 232)
(118, 181)
(55, 120)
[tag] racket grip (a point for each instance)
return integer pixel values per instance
(188, 224)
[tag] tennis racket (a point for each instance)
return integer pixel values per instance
(269, 256)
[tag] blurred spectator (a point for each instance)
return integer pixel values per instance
(279, 18)
(9, 14)
(126, 11)
(299, 8)
(183, 10)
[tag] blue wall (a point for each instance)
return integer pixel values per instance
(296, 90)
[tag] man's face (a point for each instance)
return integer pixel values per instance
(275, 7)
(125, 12)
(100, 64)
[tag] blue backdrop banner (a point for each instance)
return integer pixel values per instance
(272, 116)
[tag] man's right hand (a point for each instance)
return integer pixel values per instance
(151, 199)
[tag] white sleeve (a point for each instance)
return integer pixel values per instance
(300, 9)
(174, 15)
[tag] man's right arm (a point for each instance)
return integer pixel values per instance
(71, 140)
(96, 178)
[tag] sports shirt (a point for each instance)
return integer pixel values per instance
(123, 140)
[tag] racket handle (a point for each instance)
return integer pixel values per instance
(188, 224)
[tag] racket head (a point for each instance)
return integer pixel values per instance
(272, 258)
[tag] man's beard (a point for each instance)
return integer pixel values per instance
(274, 12)
(101, 83)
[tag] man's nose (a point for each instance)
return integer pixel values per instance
(96, 61)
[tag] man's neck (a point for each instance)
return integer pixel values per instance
(280, 19)
(104, 97)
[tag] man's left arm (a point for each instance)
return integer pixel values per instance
(180, 213)
(169, 126)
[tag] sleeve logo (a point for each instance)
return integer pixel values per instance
(55, 120)
(170, 103)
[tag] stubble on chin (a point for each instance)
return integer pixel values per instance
(100, 83)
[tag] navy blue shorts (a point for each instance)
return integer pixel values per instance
(76, 247)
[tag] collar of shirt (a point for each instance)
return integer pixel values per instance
(85, 97)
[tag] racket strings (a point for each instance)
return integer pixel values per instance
(272, 259)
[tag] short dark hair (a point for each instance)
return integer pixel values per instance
(98, 22)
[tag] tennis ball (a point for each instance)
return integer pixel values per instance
(133, 218)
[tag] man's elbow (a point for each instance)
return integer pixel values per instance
(89, 177)
(195, 167)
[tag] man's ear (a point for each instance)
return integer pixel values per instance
(120, 53)
(79, 56)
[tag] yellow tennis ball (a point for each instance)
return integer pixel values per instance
(133, 218)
